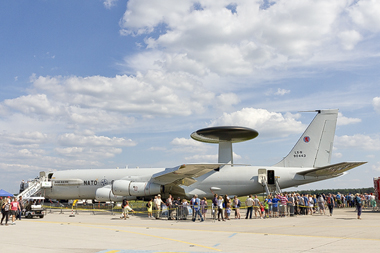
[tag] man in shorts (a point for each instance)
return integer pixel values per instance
(14, 208)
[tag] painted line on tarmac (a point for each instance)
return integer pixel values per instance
(232, 235)
(140, 251)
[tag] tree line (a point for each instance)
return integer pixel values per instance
(341, 191)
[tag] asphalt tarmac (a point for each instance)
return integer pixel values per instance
(86, 232)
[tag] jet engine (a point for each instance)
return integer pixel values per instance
(104, 194)
(130, 188)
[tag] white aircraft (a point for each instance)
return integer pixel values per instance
(308, 161)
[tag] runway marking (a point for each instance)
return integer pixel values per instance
(232, 235)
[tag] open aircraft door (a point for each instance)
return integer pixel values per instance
(271, 177)
(262, 176)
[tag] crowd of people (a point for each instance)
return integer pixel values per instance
(10, 207)
(272, 206)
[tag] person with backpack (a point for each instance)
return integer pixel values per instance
(330, 203)
(5, 208)
(359, 204)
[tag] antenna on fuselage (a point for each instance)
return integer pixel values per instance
(224, 136)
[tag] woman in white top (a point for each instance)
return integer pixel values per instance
(311, 204)
(220, 208)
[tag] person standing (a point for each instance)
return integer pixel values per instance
(158, 202)
(214, 206)
(14, 208)
(220, 208)
(22, 186)
(359, 204)
(330, 203)
(204, 207)
(237, 205)
(5, 207)
(256, 206)
(149, 207)
(197, 208)
(169, 204)
(321, 204)
(177, 206)
(21, 208)
(249, 203)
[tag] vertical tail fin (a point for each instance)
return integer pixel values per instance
(314, 147)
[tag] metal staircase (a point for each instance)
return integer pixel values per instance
(270, 188)
(35, 187)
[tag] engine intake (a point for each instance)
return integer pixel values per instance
(104, 194)
(139, 189)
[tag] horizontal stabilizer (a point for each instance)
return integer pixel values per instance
(184, 174)
(331, 170)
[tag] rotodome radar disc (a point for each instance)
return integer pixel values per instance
(232, 134)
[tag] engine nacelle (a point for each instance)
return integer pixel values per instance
(139, 189)
(104, 194)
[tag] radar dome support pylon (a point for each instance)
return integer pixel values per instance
(224, 136)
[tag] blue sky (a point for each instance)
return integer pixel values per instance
(105, 84)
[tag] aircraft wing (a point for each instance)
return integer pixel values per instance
(183, 174)
(331, 170)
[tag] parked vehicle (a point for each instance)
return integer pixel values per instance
(34, 207)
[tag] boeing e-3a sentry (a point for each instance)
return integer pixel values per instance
(307, 162)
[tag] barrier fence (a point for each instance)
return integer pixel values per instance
(186, 212)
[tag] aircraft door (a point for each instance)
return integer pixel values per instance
(262, 176)
(271, 177)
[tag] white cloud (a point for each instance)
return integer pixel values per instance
(71, 139)
(109, 3)
(376, 167)
(365, 14)
(213, 39)
(376, 104)
(360, 141)
(349, 39)
(23, 138)
(33, 104)
(281, 92)
(342, 120)
(265, 122)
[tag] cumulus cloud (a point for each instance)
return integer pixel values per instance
(248, 36)
(265, 122)
(342, 120)
(23, 138)
(360, 141)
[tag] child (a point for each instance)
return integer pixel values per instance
(266, 208)
(261, 210)
(228, 210)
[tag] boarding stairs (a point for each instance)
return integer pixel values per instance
(275, 189)
(35, 187)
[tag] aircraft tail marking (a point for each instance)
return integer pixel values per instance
(314, 148)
